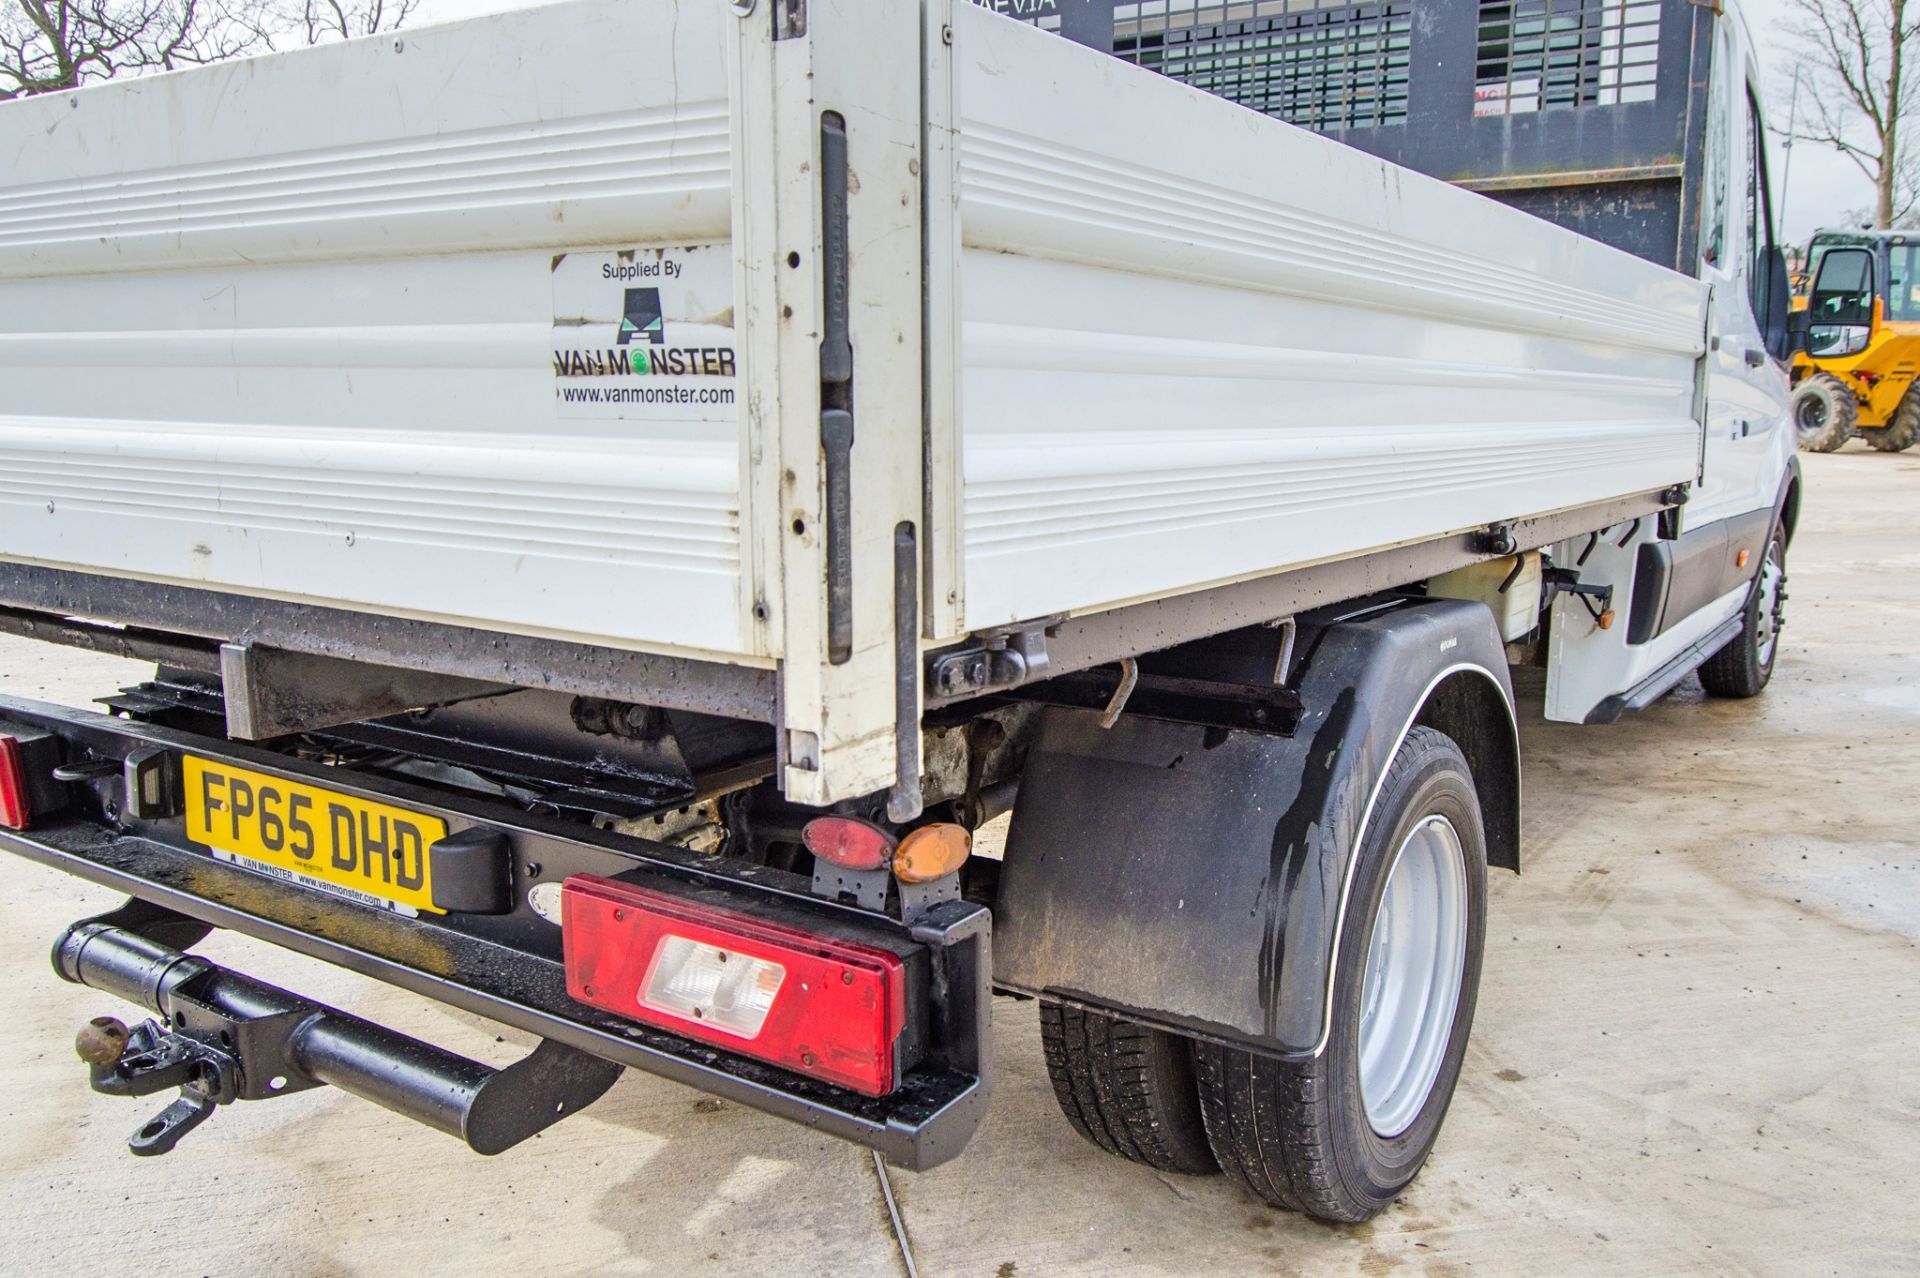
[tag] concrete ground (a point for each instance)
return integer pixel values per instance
(1695, 1050)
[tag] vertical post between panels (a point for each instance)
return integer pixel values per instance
(828, 135)
(941, 545)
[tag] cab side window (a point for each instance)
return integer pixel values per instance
(1719, 153)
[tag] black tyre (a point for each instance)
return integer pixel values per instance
(1824, 413)
(1127, 1088)
(1900, 432)
(1744, 667)
(1340, 1135)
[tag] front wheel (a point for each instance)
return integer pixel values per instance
(1340, 1135)
(1745, 666)
(1824, 413)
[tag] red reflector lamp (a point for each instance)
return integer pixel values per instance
(15, 807)
(848, 842)
(819, 1006)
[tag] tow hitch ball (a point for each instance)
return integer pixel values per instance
(220, 1036)
(148, 1059)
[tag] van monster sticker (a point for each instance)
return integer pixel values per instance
(645, 335)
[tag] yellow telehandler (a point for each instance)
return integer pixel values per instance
(1862, 321)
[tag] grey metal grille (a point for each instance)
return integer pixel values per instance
(1545, 55)
(1319, 65)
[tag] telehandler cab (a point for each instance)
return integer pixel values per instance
(1862, 318)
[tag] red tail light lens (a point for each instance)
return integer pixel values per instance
(827, 1008)
(848, 842)
(15, 808)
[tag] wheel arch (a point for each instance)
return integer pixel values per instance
(1194, 877)
(1475, 710)
(1789, 505)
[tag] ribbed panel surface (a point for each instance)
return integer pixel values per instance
(1013, 184)
(681, 150)
(286, 326)
(1200, 345)
(670, 508)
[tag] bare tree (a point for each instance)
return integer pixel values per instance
(279, 23)
(326, 19)
(1853, 57)
(49, 45)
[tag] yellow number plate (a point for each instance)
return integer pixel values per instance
(370, 852)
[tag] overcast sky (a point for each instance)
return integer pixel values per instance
(1822, 185)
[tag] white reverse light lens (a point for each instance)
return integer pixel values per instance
(726, 989)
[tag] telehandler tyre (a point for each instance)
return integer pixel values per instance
(1824, 412)
(1901, 430)
(1127, 1088)
(1338, 1135)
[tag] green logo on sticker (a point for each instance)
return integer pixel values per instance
(638, 360)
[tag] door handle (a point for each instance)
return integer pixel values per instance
(1755, 357)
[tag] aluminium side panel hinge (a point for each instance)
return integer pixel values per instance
(1002, 658)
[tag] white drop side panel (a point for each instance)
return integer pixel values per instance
(293, 326)
(1200, 345)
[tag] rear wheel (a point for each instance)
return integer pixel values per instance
(1340, 1135)
(1901, 430)
(1127, 1088)
(1744, 667)
(1824, 413)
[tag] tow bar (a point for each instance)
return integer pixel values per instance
(222, 1036)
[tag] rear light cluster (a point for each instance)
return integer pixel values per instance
(16, 805)
(830, 1009)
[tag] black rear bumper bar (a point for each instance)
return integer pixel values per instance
(508, 967)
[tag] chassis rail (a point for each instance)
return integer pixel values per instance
(508, 968)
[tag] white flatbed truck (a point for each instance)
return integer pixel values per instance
(616, 493)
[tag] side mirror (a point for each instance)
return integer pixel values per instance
(1778, 295)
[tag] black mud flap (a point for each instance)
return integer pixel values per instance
(1191, 875)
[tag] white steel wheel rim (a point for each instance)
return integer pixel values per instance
(1767, 618)
(1416, 960)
